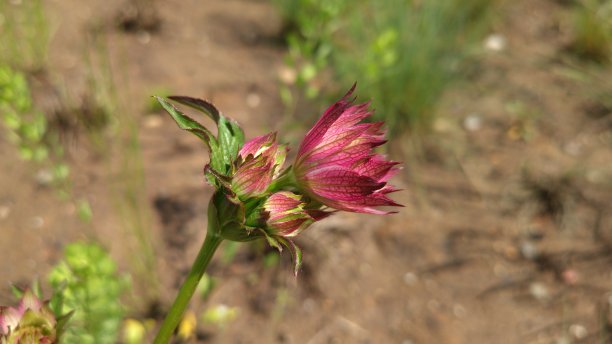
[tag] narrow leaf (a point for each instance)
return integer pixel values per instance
(231, 138)
(187, 123)
(296, 253)
(272, 241)
(200, 105)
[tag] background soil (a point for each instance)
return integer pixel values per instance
(502, 240)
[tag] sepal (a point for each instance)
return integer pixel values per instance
(227, 219)
(296, 254)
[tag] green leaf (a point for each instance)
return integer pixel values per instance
(272, 241)
(231, 139)
(200, 105)
(187, 123)
(296, 253)
(62, 321)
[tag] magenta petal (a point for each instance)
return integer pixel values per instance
(286, 216)
(253, 181)
(339, 183)
(336, 165)
(316, 133)
(283, 201)
(254, 145)
(366, 204)
(376, 168)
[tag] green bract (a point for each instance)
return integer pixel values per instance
(224, 147)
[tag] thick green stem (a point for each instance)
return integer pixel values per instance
(175, 314)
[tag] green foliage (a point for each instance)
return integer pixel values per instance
(27, 127)
(593, 31)
(404, 58)
(225, 146)
(24, 33)
(92, 288)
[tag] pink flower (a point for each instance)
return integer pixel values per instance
(259, 162)
(336, 166)
(286, 215)
(31, 322)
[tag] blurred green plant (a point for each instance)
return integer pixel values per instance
(593, 31)
(92, 288)
(24, 33)
(405, 57)
(27, 126)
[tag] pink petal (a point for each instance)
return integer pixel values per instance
(9, 319)
(332, 145)
(339, 183)
(351, 116)
(252, 146)
(293, 226)
(30, 301)
(282, 201)
(252, 181)
(316, 133)
(366, 204)
(376, 167)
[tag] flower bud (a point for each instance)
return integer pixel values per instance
(32, 322)
(258, 164)
(285, 214)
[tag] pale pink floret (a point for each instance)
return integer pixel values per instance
(336, 165)
(257, 144)
(260, 160)
(286, 216)
(10, 317)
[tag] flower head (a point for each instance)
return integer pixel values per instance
(258, 163)
(285, 214)
(31, 322)
(336, 166)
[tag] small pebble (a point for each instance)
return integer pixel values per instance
(578, 331)
(153, 121)
(5, 210)
(253, 100)
(495, 42)
(459, 311)
(44, 177)
(529, 250)
(472, 123)
(539, 291)
(287, 75)
(143, 37)
(410, 278)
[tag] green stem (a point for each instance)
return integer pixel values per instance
(175, 314)
(286, 179)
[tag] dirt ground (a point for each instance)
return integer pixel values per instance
(506, 234)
